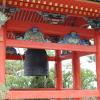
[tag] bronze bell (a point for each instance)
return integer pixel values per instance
(36, 63)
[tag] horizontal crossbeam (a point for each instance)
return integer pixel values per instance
(37, 94)
(20, 57)
(64, 57)
(49, 46)
(19, 26)
(80, 54)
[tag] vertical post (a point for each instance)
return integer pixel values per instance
(97, 43)
(76, 72)
(58, 68)
(2, 54)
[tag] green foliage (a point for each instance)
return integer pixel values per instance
(13, 80)
(13, 66)
(50, 52)
(3, 91)
(42, 82)
(91, 59)
(3, 18)
(18, 81)
(88, 79)
(67, 79)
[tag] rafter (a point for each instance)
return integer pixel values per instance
(72, 7)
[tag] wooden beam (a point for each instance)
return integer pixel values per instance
(58, 73)
(80, 54)
(72, 7)
(76, 72)
(2, 54)
(64, 57)
(21, 57)
(60, 30)
(30, 94)
(49, 46)
(97, 43)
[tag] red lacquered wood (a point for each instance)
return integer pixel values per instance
(76, 72)
(72, 6)
(25, 19)
(58, 71)
(80, 54)
(97, 43)
(50, 46)
(21, 57)
(58, 30)
(2, 54)
(30, 94)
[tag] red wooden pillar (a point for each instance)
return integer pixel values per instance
(97, 43)
(59, 82)
(76, 73)
(2, 55)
